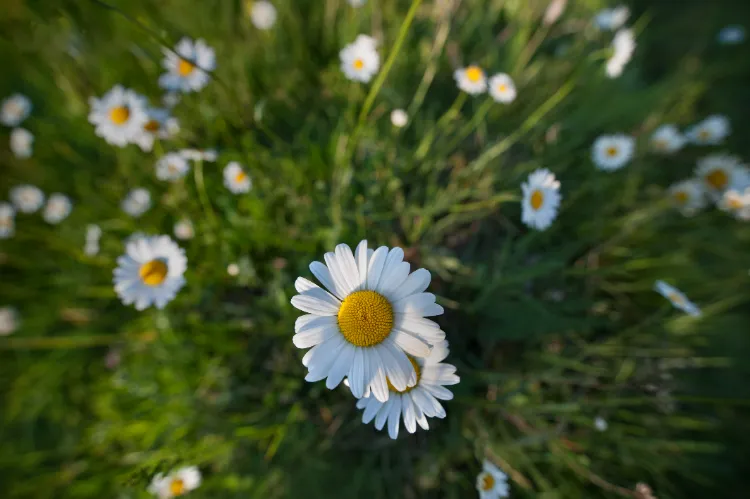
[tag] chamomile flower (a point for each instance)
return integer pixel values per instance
(414, 404)
(623, 46)
(93, 233)
(541, 199)
(399, 118)
(612, 152)
(184, 230)
(21, 142)
(360, 60)
(14, 109)
(236, 179)
(736, 202)
(720, 172)
(160, 125)
(492, 483)
(171, 166)
(731, 35)
(357, 3)
(175, 484)
(7, 220)
(688, 196)
(188, 66)
(27, 198)
(612, 19)
(677, 298)
(8, 320)
(471, 80)
(368, 323)
(263, 14)
(150, 272)
(137, 202)
(600, 424)
(119, 116)
(58, 208)
(711, 131)
(667, 139)
(502, 88)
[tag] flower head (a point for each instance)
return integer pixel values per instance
(711, 131)
(612, 19)
(171, 166)
(737, 203)
(27, 198)
(263, 14)
(600, 424)
(137, 202)
(184, 230)
(236, 179)
(502, 88)
(21, 142)
(188, 66)
(492, 483)
(667, 139)
(731, 35)
(175, 484)
(160, 125)
(9, 320)
(612, 152)
(688, 196)
(93, 233)
(471, 79)
(14, 109)
(58, 208)
(7, 220)
(119, 116)
(677, 298)
(623, 47)
(399, 118)
(720, 172)
(360, 60)
(541, 199)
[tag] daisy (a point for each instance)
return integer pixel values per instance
(137, 202)
(667, 139)
(198, 155)
(93, 233)
(14, 110)
(233, 269)
(541, 199)
(502, 88)
(720, 172)
(27, 198)
(263, 14)
(711, 131)
(58, 208)
(612, 152)
(414, 404)
(187, 66)
(235, 178)
(170, 99)
(688, 196)
(160, 125)
(736, 202)
(399, 118)
(676, 297)
(471, 80)
(600, 424)
(731, 35)
(612, 19)
(175, 484)
(171, 166)
(357, 3)
(554, 11)
(119, 116)
(624, 46)
(7, 220)
(360, 60)
(183, 229)
(150, 272)
(492, 482)
(8, 320)
(371, 317)
(21, 142)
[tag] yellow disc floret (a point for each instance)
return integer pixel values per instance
(365, 318)
(153, 273)
(537, 199)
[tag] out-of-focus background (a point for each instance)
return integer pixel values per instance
(553, 332)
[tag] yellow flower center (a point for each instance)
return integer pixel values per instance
(734, 203)
(408, 388)
(177, 487)
(151, 126)
(365, 318)
(153, 273)
(185, 67)
(718, 179)
(358, 64)
(681, 197)
(474, 74)
(488, 481)
(704, 134)
(676, 299)
(661, 144)
(537, 199)
(611, 151)
(119, 115)
(240, 177)
(502, 88)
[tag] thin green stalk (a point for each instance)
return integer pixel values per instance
(470, 126)
(201, 187)
(447, 117)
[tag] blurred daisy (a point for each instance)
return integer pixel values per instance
(137, 202)
(187, 66)
(8, 320)
(643, 491)
(171, 166)
(119, 116)
(541, 199)
(360, 60)
(7, 220)
(93, 233)
(235, 178)
(732, 35)
(357, 3)
(368, 323)
(233, 269)
(623, 46)
(471, 80)
(263, 14)
(14, 110)
(198, 155)
(183, 229)
(414, 404)
(676, 297)
(27, 198)
(399, 118)
(170, 99)
(720, 172)
(554, 11)
(160, 125)
(492, 482)
(175, 484)
(612, 152)
(667, 139)
(688, 196)
(502, 88)
(600, 424)
(736, 202)
(711, 131)
(21, 142)
(612, 19)
(58, 208)
(150, 272)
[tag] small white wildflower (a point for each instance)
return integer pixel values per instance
(399, 118)
(21, 142)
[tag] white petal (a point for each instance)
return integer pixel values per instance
(424, 401)
(341, 366)
(322, 274)
(417, 282)
(422, 419)
(382, 415)
(310, 321)
(302, 285)
(337, 273)
(313, 335)
(394, 418)
(395, 257)
(378, 383)
(439, 392)
(375, 267)
(395, 369)
(372, 405)
(422, 304)
(419, 326)
(316, 301)
(325, 355)
(357, 373)
(348, 265)
(410, 344)
(408, 413)
(360, 255)
(392, 280)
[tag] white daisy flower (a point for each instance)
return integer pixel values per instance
(368, 322)
(541, 199)
(171, 166)
(236, 179)
(233, 269)
(58, 208)
(14, 110)
(471, 80)
(150, 272)
(175, 484)
(731, 35)
(667, 139)
(688, 196)
(198, 155)
(600, 424)
(414, 404)
(612, 152)
(160, 125)
(711, 131)
(187, 66)
(137, 202)
(170, 99)
(720, 172)
(736, 202)
(360, 60)
(93, 233)
(357, 3)
(263, 14)
(21, 142)
(7, 220)
(399, 118)
(612, 19)
(492, 483)
(27, 198)
(184, 230)
(502, 88)
(554, 10)
(9, 320)
(119, 116)
(677, 298)
(624, 46)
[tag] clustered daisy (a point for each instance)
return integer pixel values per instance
(612, 19)
(471, 80)
(492, 483)
(236, 179)
(171, 166)
(137, 202)
(676, 298)
(57, 209)
(9, 320)
(7, 220)
(541, 199)
(21, 142)
(667, 139)
(175, 484)
(13, 111)
(623, 46)
(360, 60)
(119, 116)
(263, 14)
(612, 152)
(711, 131)
(187, 66)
